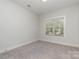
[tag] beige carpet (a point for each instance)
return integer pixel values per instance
(42, 50)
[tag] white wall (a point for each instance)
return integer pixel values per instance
(71, 14)
(17, 25)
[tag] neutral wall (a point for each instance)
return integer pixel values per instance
(17, 25)
(71, 37)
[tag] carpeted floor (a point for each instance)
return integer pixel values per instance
(42, 50)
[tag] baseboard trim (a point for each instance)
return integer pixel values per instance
(61, 43)
(19, 45)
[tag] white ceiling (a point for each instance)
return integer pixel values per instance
(40, 7)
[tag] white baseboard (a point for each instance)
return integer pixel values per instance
(66, 44)
(13, 47)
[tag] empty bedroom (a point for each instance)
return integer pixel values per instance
(39, 29)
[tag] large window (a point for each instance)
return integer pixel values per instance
(55, 26)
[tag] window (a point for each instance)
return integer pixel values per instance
(55, 26)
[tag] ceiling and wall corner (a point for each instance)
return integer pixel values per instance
(40, 7)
